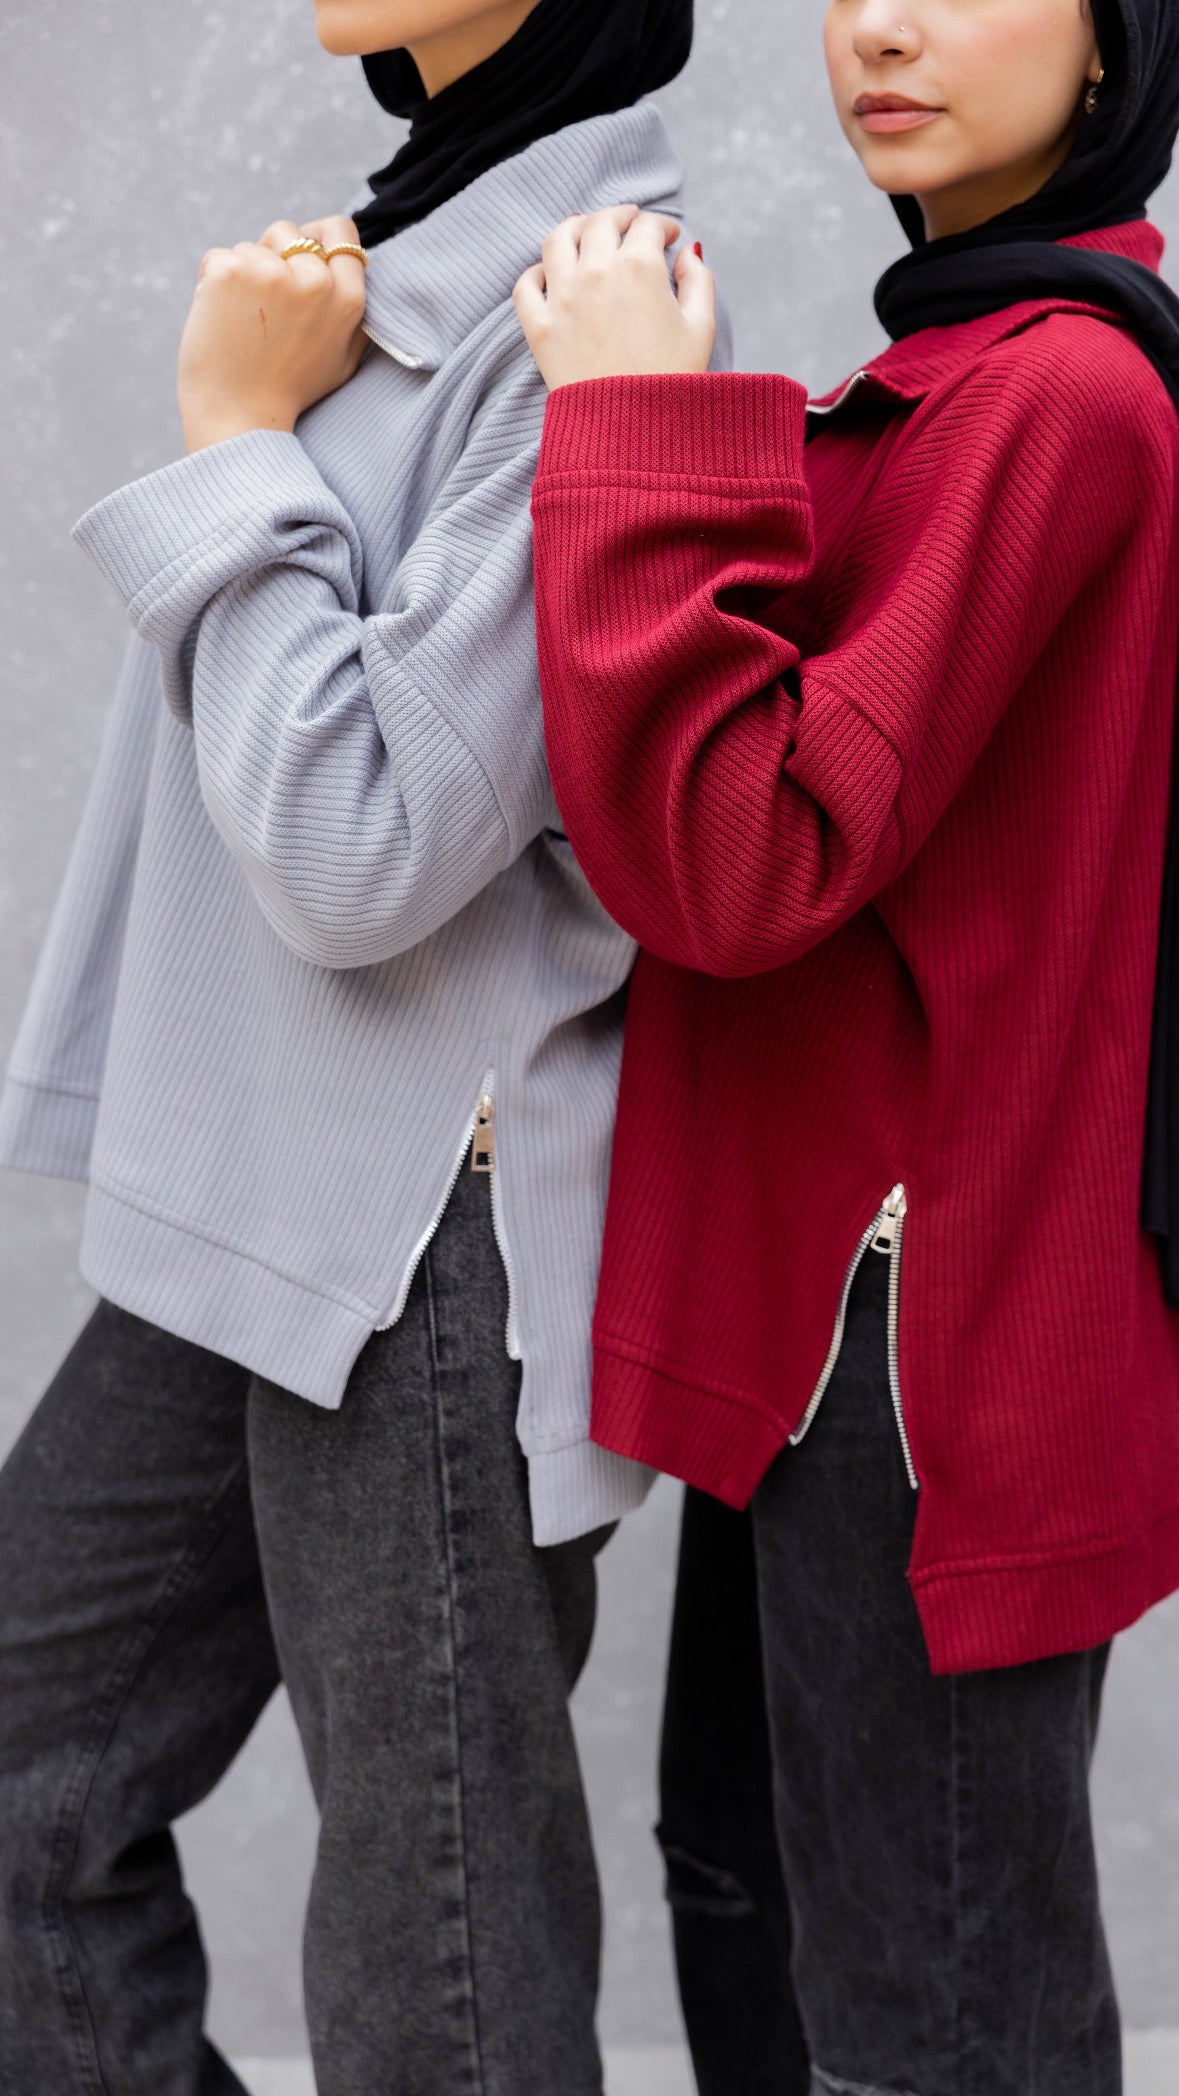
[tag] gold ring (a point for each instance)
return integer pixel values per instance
(304, 246)
(347, 247)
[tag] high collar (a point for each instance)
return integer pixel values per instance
(434, 283)
(910, 369)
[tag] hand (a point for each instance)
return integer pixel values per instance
(266, 338)
(601, 303)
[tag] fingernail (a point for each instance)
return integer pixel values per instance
(698, 251)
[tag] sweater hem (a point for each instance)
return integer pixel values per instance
(576, 1489)
(221, 1300)
(1013, 1612)
(156, 1212)
(975, 1615)
(713, 1442)
(661, 1364)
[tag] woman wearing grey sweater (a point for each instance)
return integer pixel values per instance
(330, 1021)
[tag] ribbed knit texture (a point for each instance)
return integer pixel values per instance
(323, 891)
(869, 745)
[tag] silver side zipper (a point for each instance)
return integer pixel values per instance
(888, 1241)
(483, 1140)
(478, 1144)
(483, 1159)
(431, 1231)
(884, 1235)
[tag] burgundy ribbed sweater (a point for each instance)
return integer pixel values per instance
(869, 746)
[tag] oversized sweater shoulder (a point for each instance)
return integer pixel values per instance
(868, 741)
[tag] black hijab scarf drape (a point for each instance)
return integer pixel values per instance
(1121, 155)
(571, 59)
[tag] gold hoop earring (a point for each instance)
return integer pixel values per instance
(1092, 96)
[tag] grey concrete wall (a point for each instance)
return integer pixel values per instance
(132, 135)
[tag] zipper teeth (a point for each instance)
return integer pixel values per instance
(894, 1370)
(899, 1205)
(833, 1351)
(399, 356)
(511, 1335)
(428, 1235)
(857, 379)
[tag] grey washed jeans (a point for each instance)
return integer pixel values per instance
(883, 1881)
(165, 1523)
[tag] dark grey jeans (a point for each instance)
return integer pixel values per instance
(160, 1513)
(927, 1921)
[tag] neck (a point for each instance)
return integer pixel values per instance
(964, 205)
(444, 58)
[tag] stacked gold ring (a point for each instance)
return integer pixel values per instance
(347, 247)
(304, 246)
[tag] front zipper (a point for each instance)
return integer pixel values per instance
(885, 1235)
(832, 406)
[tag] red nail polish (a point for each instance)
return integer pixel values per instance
(698, 251)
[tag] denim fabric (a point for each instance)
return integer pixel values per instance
(453, 1928)
(429, 1650)
(935, 1833)
(135, 1655)
(730, 1915)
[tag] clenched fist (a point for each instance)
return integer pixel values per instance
(601, 304)
(266, 338)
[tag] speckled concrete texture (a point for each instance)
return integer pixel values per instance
(132, 136)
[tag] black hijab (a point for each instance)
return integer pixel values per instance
(571, 59)
(1120, 157)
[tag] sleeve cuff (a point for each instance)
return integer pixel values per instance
(739, 425)
(155, 527)
(46, 1130)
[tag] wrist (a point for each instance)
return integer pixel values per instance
(205, 424)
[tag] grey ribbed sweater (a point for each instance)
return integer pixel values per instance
(322, 892)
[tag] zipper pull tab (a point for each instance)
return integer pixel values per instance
(889, 1221)
(483, 1147)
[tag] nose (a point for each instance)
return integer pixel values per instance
(884, 29)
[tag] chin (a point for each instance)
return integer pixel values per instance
(347, 28)
(905, 169)
(331, 29)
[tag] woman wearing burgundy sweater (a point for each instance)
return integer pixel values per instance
(867, 739)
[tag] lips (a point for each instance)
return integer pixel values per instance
(882, 114)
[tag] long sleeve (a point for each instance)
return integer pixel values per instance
(370, 773)
(732, 796)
